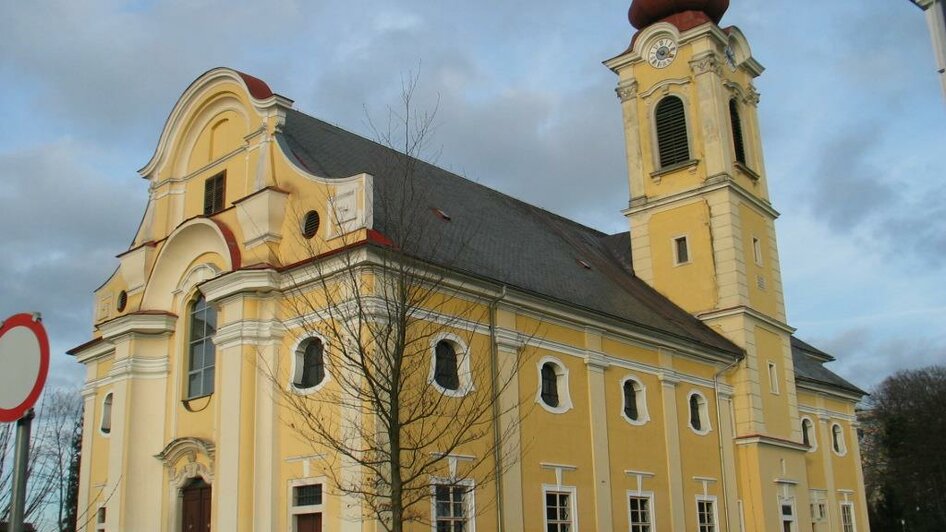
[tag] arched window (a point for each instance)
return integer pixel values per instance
(106, 426)
(549, 385)
(837, 439)
(699, 416)
(446, 373)
(630, 400)
(807, 433)
(310, 364)
(200, 353)
(635, 401)
(737, 141)
(672, 143)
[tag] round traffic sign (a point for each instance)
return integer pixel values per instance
(24, 363)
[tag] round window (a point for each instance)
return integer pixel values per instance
(122, 300)
(310, 224)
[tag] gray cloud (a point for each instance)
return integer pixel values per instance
(867, 358)
(525, 107)
(63, 224)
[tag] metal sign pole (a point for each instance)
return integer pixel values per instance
(21, 459)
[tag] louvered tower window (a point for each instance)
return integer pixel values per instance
(737, 141)
(671, 132)
(214, 193)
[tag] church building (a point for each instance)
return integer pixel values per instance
(640, 381)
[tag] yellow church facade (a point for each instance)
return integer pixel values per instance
(642, 381)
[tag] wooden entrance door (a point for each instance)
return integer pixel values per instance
(196, 507)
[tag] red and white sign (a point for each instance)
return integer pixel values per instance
(24, 363)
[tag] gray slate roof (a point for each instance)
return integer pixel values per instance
(809, 366)
(494, 236)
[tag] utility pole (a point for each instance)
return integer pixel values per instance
(936, 20)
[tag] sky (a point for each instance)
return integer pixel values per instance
(853, 125)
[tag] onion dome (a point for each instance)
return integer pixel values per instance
(643, 13)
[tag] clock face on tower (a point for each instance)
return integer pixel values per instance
(662, 53)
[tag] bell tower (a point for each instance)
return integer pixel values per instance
(703, 227)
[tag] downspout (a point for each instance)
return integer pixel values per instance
(719, 437)
(497, 440)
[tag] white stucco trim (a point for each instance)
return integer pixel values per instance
(572, 492)
(561, 373)
(470, 500)
(293, 511)
(295, 356)
(703, 411)
(463, 365)
(837, 436)
(643, 413)
(812, 433)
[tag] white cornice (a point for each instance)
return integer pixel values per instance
(749, 311)
(760, 439)
(241, 281)
(95, 351)
(139, 367)
(827, 389)
(248, 332)
(713, 184)
(138, 324)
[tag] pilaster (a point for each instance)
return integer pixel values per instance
(595, 366)
(671, 423)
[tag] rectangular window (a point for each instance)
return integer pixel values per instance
(306, 510)
(100, 519)
(773, 378)
(847, 517)
(706, 514)
(453, 505)
(757, 250)
(681, 250)
(641, 512)
(214, 193)
(788, 515)
(559, 510)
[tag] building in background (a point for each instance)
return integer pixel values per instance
(662, 387)
(936, 20)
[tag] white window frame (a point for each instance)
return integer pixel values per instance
(470, 500)
(308, 509)
(838, 437)
(818, 502)
(561, 379)
(101, 518)
(643, 415)
(812, 434)
(464, 374)
(704, 414)
(841, 507)
(790, 501)
(108, 405)
(650, 506)
(773, 377)
(711, 499)
(572, 492)
(673, 250)
(297, 360)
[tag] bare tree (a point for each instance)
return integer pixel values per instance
(903, 435)
(51, 452)
(414, 392)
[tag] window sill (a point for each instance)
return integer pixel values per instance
(656, 176)
(747, 171)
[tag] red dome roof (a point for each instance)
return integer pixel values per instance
(643, 13)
